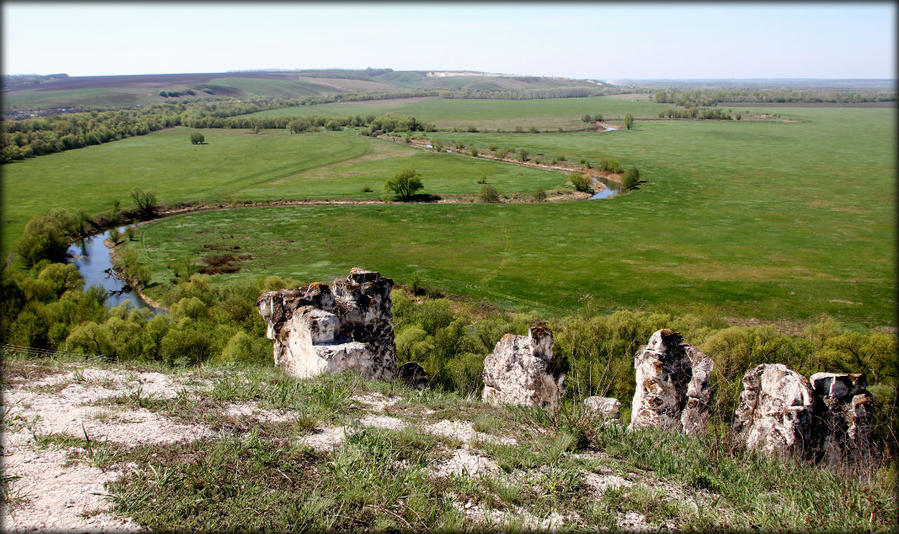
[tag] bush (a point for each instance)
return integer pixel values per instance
(197, 138)
(404, 184)
(581, 182)
(539, 196)
(610, 165)
(145, 202)
(186, 344)
(488, 193)
(631, 178)
(522, 155)
(483, 178)
(46, 237)
(243, 348)
(474, 152)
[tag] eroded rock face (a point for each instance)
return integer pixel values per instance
(321, 328)
(606, 407)
(827, 417)
(775, 411)
(672, 385)
(519, 371)
(843, 416)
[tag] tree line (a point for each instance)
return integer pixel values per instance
(55, 133)
(712, 97)
(693, 112)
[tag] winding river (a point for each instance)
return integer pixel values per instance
(94, 261)
(92, 257)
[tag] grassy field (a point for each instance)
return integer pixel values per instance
(238, 164)
(771, 219)
(767, 220)
(487, 114)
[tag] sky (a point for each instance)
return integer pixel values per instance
(605, 41)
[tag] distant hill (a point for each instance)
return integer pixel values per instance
(767, 83)
(35, 92)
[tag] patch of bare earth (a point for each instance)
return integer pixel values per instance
(51, 495)
(49, 489)
(326, 439)
(464, 431)
(463, 463)
(519, 518)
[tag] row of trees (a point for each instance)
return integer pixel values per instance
(712, 97)
(696, 113)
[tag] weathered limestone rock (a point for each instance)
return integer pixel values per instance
(828, 417)
(672, 385)
(775, 410)
(321, 328)
(606, 407)
(519, 371)
(413, 375)
(843, 420)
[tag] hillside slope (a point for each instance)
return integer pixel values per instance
(63, 91)
(115, 447)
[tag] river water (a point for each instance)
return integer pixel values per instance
(92, 257)
(610, 190)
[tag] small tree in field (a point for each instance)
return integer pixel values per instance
(580, 182)
(489, 194)
(628, 120)
(404, 184)
(145, 202)
(631, 178)
(197, 138)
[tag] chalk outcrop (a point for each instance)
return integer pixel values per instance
(519, 371)
(606, 407)
(672, 385)
(844, 416)
(827, 417)
(775, 411)
(330, 328)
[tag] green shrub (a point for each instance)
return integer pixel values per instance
(631, 178)
(539, 196)
(404, 184)
(610, 165)
(46, 237)
(197, 138)
(488, 193)
(184, 343)
(581, 182)
(245, 349)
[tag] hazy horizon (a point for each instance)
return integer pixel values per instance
(583, 41)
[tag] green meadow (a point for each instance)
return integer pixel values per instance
(236, 164)
(551, 113)
(766, 219)
(770, 220)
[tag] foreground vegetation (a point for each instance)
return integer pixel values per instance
(564, 470)
(46, 307)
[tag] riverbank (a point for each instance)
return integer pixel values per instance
(128, 278)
